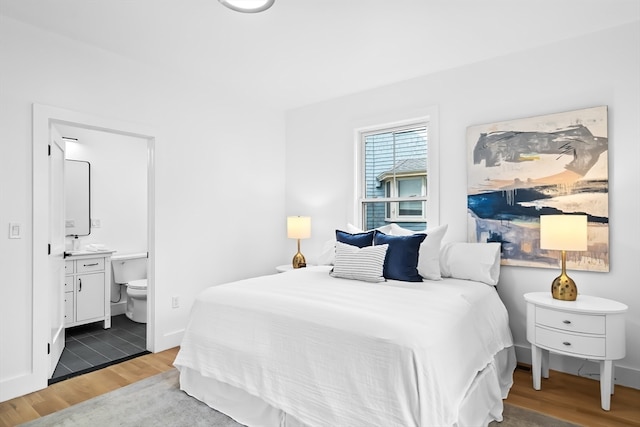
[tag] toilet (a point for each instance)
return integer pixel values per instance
(130, 270)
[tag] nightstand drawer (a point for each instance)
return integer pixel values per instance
(572, 322)
(579, 344)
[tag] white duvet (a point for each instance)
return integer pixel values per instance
(336, 352)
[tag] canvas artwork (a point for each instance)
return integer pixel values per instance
(547, 165)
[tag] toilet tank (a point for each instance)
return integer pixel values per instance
(128, 267)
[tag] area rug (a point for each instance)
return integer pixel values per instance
(158, 401)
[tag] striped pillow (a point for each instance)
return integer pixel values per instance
(355, 263)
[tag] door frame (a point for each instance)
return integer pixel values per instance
(44, 117)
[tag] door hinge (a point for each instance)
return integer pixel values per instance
(49, 150)
(48, 348)
(48, 248)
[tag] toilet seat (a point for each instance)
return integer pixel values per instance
(139, 285)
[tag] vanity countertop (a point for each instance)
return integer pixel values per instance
(87, 254)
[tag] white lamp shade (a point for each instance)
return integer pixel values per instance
(298, 227)
(563, 232)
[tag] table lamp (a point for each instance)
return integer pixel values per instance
(563, 233)
(299, 227)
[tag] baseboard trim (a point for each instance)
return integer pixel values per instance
(169, 340)
(118, 308)
(584, 368)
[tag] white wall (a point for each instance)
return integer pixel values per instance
(217, 196)
(599, 69)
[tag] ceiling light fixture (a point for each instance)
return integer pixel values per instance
(248, 6)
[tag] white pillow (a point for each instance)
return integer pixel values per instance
(429, 256)
(357, 263)
(328, 254)
(471, 261)
(386, 229)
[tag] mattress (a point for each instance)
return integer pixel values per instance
(305, 349)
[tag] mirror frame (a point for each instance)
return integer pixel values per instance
(78, 193)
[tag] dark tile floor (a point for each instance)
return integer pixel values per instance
(90, 347)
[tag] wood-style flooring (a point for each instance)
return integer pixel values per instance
(572, 398)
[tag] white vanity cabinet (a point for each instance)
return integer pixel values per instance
(87, 288)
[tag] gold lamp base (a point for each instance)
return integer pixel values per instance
(563, 286)
(299, 261)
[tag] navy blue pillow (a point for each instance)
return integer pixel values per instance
(401, 262)
(360, 239)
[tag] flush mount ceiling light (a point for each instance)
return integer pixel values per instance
(248, 6)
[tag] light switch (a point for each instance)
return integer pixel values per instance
(15, 230)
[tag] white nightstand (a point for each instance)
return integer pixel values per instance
(284, 267)
(288, 267)
(589, 328)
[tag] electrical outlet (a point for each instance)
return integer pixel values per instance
(175, 302)
(15, 230)
(95, 223)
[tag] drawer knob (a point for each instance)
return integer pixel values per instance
(567, 343)
(566, 322)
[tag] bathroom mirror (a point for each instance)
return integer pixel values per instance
(77, 184)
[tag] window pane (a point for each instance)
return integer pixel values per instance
(374, 215)
(407, 188)
(391, 154)
(410, 187)
(410, 208)
(378, 158)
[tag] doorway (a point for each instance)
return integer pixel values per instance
(45, 118)
(107, 208)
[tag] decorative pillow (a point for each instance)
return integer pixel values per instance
(360, 239)
(402, 256)
(328, 253)
(429, 257)
(355, 263)
(471, 261)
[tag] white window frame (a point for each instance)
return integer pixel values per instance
(428, 115)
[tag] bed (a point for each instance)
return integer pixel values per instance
(303, 348)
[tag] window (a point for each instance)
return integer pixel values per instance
(405, 187)
(394, 176)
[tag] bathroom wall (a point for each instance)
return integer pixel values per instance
(118, 187)
(118, 193)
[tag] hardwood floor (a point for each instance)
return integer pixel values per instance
(575, 399)
(75, 390)
(572, 398)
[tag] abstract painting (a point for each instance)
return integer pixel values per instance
(546, 165)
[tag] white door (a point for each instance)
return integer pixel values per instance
(56, 254)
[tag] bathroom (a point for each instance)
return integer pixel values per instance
(118, 218)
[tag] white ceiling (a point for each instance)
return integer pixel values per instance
(304, 51)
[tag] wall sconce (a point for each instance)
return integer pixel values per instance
(248, 6)
(563, 233)
(299, 227)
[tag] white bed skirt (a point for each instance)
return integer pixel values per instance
(480, 406)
